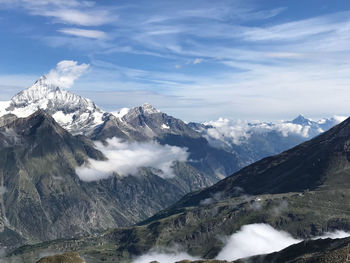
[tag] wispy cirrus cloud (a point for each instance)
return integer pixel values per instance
(95, 34)
(79, 13)
(242, 59)
(76, 17)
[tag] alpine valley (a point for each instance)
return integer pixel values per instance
(74, 177)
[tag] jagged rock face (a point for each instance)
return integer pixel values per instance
(74, 113)
(6, 119)
(146, 123)
(153, 123)
(141, 124)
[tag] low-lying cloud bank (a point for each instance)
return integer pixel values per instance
(255, 239)
(334, 235)
(229, 132)
(250, 240)
(126, 158)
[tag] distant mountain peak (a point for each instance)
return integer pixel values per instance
(144, 110)
(301, 120)
(149, 109)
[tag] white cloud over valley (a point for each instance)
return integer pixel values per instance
(253, 240)
(250, 240)
(126, 158)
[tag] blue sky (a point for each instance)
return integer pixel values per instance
(197, 60)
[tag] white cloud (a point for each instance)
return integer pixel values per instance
(120, 113)
(334, 235)
(197, 61)
(65, 73)
(224, 129)
(83, 13)
(96, 34)
(226, 132)
(126, 158)
(286, 68)
(58, 3)
(299, 29)
(77, 17)
(255, 239)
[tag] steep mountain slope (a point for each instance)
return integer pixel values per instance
(35, 152)
(42, 198)
(310, 251)
(303, 191)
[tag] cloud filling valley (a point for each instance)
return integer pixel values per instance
(126, 158)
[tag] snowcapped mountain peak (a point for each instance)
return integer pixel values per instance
(71, 111)
(43, 93)
(43, 82)
(143, 110)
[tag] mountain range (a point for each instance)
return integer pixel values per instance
(302, 191)
(241, 143)
(52, 140)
